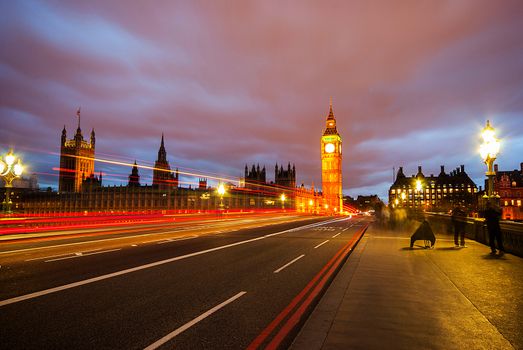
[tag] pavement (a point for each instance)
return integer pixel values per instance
(389, 296)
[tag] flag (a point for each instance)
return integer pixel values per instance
(78, 112)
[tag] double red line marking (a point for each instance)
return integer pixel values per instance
(304, 298)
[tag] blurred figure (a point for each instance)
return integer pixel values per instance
(492, 215)
(425, 233)
(458, 222)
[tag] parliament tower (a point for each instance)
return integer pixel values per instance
(331, 180)
(76, 160)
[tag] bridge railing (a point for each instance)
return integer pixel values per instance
(476, 229)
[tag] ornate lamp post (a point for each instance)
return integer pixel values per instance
(489, 150)
(221, 192)
(282, 198)
(10, 169)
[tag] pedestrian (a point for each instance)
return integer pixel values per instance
(424, 232)
(492, 215)
(458, 222)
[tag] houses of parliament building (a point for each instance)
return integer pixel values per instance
(81, 190)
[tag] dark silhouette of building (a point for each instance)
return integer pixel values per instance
(509, 186)
(76, 160)
(440, 192)
(163, 177)
(92, 182)
(285, 178)
(255, 179)
(134, 177)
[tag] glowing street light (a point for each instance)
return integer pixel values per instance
(418, 185)
(488, 151)
(418, 191)
(10, 169)
(282, 198)
(221, 192)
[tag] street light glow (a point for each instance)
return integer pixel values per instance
(18, 168)
(221, 189)
(10, 158)
(418, 185)
(489, 149)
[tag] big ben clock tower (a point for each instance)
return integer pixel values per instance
(331, 166)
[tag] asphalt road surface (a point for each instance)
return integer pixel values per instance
(206, 286)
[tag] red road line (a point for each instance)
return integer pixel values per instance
(336, 260)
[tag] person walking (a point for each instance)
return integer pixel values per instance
(492, 215)
(458, 222)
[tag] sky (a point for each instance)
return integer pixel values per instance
(231, 83)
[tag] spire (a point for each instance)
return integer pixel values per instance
(162, 155)
(78, 115)
(93, 138)
(64, 136)
(331, 122)
(331, 113)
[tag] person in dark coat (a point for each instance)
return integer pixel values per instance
(425, 233)
(492, 215)
(458, 222)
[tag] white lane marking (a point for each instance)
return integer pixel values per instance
(80, 255)
(289, 263)
(58, 255)
(337, 234)
(136, 268)
(322, 243)
(87, 242)
(177, 239)
(189, 324)
(48, 257)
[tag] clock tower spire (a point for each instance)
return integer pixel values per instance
(331, 171)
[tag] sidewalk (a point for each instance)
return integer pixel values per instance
(388, 296)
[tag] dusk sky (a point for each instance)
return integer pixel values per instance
(231, 83)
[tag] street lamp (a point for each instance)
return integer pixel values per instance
(489, 150)
(282, 198)
(417, 196)
(221, 192)
(10, 169)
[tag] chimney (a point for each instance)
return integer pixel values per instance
(495, 168)
(521, 166)
(462, 168)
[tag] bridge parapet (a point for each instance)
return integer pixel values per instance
(476, 229)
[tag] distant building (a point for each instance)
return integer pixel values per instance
(331, 169)
(366, 203)
(509, 186)
(202, 183)
(76, 160)
(285, 178)
(163, 177)
(441, 192)
(134, 177)
(255, 179)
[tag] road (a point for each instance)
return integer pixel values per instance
(207, 286)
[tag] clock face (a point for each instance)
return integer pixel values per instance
(329, 148)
